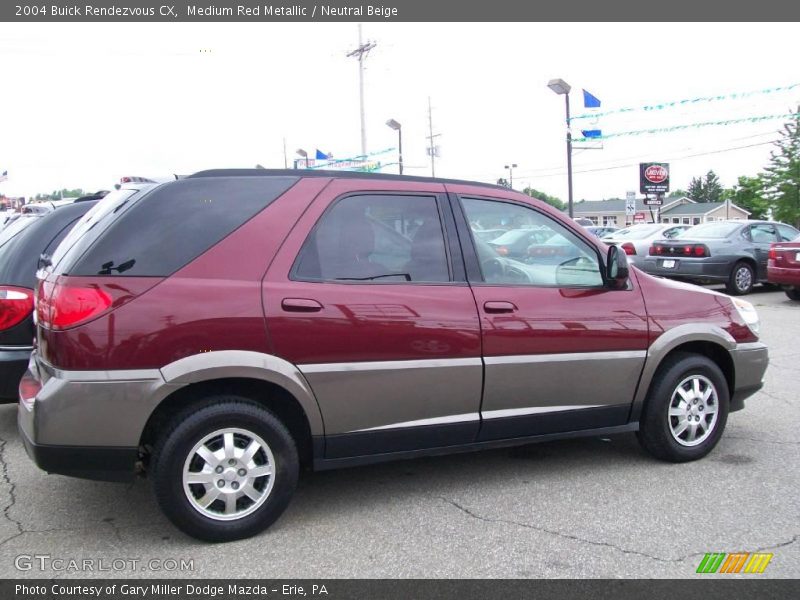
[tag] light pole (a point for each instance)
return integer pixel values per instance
(511, 168)
(561, 87)
(304, 154)
(399, 129)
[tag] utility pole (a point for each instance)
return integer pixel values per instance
(285, 160)
(431, 135)
(361, 53)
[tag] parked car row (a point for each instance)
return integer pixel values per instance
(219, 331)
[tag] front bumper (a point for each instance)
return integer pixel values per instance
(687, 268)
(750, 365)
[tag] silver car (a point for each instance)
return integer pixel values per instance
(637, 239)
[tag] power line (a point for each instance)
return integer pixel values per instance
(625, 166)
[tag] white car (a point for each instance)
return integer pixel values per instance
(637, 239)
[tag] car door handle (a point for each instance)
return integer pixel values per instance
(300, 305)
(499, 307)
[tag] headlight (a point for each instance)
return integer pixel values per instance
(748, 314)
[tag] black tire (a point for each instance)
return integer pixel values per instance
(793, 293)
(656, 425)
(741, 279)
(189, 428)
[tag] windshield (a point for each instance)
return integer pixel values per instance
(14, 228)
(709, 230)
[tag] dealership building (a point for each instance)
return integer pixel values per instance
(674, 210)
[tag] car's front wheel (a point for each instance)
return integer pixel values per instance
(686, 409)
(741, 279)
(224, 470)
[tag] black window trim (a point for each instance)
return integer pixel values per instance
(457, 277)
(470, 253)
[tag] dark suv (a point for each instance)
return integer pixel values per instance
(219, 331)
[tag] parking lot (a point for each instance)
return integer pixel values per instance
(581, 508)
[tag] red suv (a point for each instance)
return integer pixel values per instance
(219, 331)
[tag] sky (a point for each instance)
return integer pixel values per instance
(85, 104)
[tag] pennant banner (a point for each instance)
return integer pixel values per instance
(688, 101)
(588, 137)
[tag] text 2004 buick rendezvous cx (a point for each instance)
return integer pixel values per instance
(219, 331)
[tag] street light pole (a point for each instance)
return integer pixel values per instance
(561, 87)
(511, 168)
(399, 129)
(569, 158)
(303, 154)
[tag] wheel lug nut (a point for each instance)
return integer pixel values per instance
(231, 462)
(221, 483)
(242, 472)
(218, 469)
(235, 485)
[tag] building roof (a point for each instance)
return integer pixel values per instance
(617, 205)
(696, 208)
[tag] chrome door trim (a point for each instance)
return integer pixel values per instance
(534, 410)
(389, 365)
(465, 418)
(563, 357)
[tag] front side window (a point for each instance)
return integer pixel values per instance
(376, 238)
(547, 254)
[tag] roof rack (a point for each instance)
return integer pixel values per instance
(332, 174)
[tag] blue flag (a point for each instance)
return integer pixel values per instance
(591, 133)
(321, 155)
(590, 101)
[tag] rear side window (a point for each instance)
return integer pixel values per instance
(377, 239)
(160, 231)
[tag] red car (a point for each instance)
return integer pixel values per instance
(783, 267)
(219, 331)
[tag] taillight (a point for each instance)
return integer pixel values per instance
(15, 306)
(656, 250)
(701, 250)
(60, 306)
(71, 306)
(629, 248)
(772, 254)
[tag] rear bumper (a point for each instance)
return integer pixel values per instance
(784, 276)
(104, 464)
(688, 268)
(750, 365)
(85, 424)
(13, 362)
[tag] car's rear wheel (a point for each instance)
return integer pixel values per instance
(793, 293)
(741, 280)
(224, 470)
(686, 409)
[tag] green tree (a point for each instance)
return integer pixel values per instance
(782, 175)
(750, 195)
(678, 194)
(551, 200)
(706, 189)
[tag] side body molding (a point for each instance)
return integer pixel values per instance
(668, 341)
(225, 364)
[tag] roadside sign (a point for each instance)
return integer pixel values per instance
(657, 201)
(639, 217)
(653, 178)
(630, 203)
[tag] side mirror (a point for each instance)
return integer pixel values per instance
(617, 267)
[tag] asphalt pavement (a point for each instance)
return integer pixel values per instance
(581, 508)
